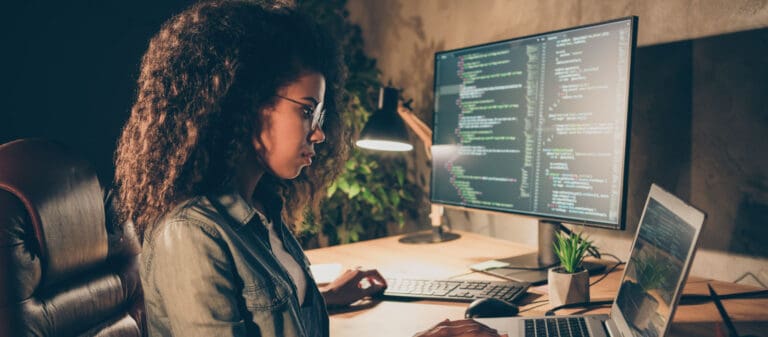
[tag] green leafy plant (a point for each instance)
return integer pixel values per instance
(571, 248)
(373, 191)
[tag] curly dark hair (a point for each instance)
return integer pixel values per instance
(203, 78)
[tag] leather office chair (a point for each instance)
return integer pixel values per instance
(64, 269)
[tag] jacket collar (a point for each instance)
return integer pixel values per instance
(234, 204)
(241, 211)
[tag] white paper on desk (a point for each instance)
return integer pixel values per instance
(324, 273)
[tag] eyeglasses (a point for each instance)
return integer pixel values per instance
(316, 114)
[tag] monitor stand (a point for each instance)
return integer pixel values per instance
(436, 235)
(533, 267)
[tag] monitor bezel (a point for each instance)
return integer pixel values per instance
(621, 223)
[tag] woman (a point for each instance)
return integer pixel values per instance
(233, 100)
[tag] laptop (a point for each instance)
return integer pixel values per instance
(650, 289)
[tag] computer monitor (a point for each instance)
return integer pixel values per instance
(537, 126)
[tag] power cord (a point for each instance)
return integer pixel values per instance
(605, 274)
(551, 312)
(691, 299)
(597, 255)
(543, 303)
(688, 299)
(754, 277)
(593, 251)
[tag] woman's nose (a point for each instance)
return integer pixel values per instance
(317, 136)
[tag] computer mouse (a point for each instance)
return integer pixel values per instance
(490, 307)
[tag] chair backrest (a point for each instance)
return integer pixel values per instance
(65, 270)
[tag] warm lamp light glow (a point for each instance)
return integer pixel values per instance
(384, 145)
(385, 131)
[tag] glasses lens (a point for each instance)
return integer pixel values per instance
(318, 113)
(319, 117)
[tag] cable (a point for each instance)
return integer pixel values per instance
(551, 312)
(543, 303)
(606, 273)
(618, 263)
(757, 279)
(684, 300)
(746, 294)
(688, 299)
(613, 256)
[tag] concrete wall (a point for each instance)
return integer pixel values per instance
(699, 106)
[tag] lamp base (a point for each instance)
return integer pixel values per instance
(436, 235)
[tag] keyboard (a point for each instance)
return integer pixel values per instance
(559, 327)
(454, 290)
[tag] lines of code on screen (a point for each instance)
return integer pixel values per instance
(536, 125)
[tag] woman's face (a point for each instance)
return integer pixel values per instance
(291, 128)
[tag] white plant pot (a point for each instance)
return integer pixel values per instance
(565, 288)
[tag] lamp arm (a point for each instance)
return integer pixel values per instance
(418, 127)
(424, 132)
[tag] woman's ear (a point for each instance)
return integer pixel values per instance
(258, 146)
(259, 124)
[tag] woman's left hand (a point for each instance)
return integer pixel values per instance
(353, 285)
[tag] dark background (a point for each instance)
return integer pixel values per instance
(69, 70)
(700, 130)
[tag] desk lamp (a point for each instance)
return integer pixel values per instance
(385, 131)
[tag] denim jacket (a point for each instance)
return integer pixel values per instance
(207, 269)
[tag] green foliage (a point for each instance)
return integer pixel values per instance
(571, 249)
(651, 271)
(363, 201)
(372, 192)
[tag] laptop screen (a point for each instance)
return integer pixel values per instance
(657, 266)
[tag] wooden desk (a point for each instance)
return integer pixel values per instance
(450, 260)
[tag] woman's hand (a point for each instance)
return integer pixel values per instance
(353, 285)
(460, 328)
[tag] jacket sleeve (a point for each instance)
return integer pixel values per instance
(196, 280)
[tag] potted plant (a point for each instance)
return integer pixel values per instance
(569, 282)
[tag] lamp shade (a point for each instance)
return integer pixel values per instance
(385, 130)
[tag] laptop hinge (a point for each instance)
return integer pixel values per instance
(610, 328)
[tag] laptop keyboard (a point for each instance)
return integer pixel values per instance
(556, 327)
(454, 290)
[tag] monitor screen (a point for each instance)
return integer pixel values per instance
(537, 125)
